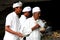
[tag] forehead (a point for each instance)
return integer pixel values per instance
(27, 12)
(37, 13)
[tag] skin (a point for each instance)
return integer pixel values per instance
(18, 10)
(7, 28)
(36, 15)
(26, 14)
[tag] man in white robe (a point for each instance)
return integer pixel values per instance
(31, 26)
(12, 23)
(26, 12)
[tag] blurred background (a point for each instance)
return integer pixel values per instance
(49, 12)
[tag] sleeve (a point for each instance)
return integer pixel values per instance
(8, 20)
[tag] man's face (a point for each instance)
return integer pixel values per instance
(19, 9)
(36, 15)
(27, 14)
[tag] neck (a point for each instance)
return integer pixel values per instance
(16, 12)
(25, 15)
(35, 18)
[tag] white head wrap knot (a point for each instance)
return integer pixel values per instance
(26, 9)
(18, 4)
(36, 9)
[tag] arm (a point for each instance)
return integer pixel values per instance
(7, 28)
(8, 25)
(28, 29)
(35, 27)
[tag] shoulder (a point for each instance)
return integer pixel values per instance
(9, 16)
(29, 19)
(22, 17)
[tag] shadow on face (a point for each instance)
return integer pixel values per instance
(27, 14)
(18, 10)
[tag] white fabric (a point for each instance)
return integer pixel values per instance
(22, 19)
(26, 9)
(34, 35)
(36, 9)
(18, 4)
(23, 29)
(26, 28)
(40, 22)
(13, 21)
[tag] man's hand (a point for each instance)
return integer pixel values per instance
(19, 34)
(7, 28)
(35, 27)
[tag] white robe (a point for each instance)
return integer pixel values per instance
(13, 21)
(35, 35)
(26, 29)
(22, 19)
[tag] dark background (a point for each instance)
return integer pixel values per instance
(49, 12)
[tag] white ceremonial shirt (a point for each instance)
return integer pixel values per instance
(13, 21)
(22, 19)
(26, 29)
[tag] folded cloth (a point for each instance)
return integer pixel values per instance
(27, 32)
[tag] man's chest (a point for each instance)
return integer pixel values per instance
(32, 23)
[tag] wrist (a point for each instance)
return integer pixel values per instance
(16, 33)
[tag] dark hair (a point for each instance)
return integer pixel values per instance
(14, 8)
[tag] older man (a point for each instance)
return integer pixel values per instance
(32, 25)
(12, 23)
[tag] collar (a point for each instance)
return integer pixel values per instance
(34, 19)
